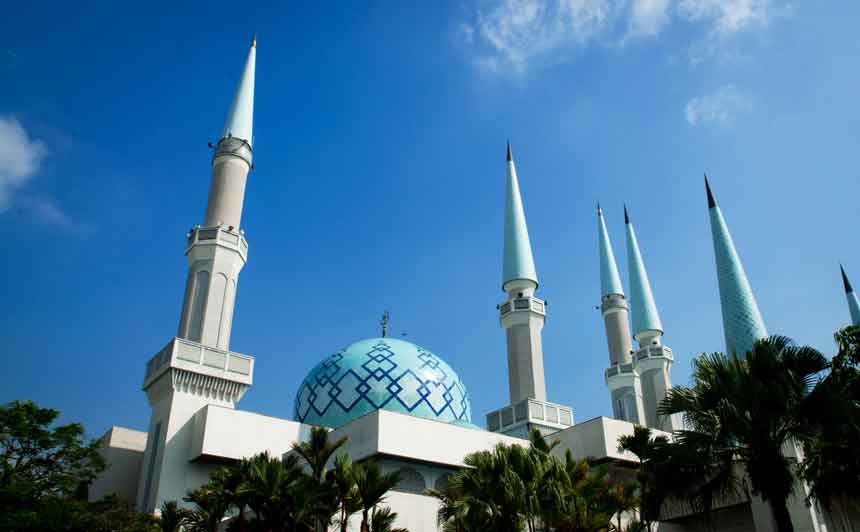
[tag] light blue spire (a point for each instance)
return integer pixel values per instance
(853, 304)
(240, 119)
(742, 322)
(645, 315)
(610, 281)
(518, 261)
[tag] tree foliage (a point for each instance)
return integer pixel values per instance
(831, 464)
(299, 493)
(44, 471)
(740, 414)
(513, 488)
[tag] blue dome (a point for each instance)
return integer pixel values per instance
(381, 373)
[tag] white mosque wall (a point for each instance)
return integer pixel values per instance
(227, 434)
(596, 438)
(400, 435)
(122, 450)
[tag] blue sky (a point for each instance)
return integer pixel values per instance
(379, 148)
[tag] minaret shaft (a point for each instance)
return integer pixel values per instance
(653, 360)
(622, 377)
(522, 315)
(217, 252)
(197, 369)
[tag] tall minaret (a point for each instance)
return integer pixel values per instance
(210, 291)
(522, 316)
(853, 304)
(653, 359)
(197, 369)
(742, 322)
(622, 377)
(519, 280)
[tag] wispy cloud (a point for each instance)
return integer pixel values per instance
(511, 35)
(647, 18)
(720, 107)
(513, 32)
(726, 17)
(48, 211)
(20, 158)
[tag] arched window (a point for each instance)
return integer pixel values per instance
(442, 481)
(411, 481)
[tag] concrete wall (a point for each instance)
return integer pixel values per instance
(228, 434)
(122, 450)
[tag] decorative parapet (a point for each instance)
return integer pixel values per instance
(207, 363)
(530, 411)
(620, 369)
(523, 304)
(653, 351)
(225, 236)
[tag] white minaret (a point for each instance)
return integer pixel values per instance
(653, 360)
(522, 314)
(522, 317)
(622, 376)
(197, 368)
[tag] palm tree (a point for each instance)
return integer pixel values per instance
(745, 411)
(651, 475)
(450, 515)
(341, 478)
(371, 485)
(172, 517)
(210, 507)
(831, 463)
(316, 453)
(274, 492)
(383, 521)
(622, 496)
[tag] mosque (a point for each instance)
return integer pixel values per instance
(398, 402)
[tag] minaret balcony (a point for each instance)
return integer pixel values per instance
(194, 357)
(530, 412)
(225, 236)
(654, 351)
(522, 304)
(620, 369)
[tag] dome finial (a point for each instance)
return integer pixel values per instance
(386, 317)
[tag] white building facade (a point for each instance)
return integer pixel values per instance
(397, 402)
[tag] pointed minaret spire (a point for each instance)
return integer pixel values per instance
(742, 321)
(853, 303)
(621, 377)
(646, 319)
(610, 281)
(240, 118)
(518, 264)
(711, 202)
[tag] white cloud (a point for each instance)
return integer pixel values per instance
(513, 32)
(720, 107)
(510, 35)
(648, 17)
(20, 158)
(726, 16)
(46, 210)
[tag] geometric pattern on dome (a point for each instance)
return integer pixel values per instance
(742, 321)
(381, 373)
